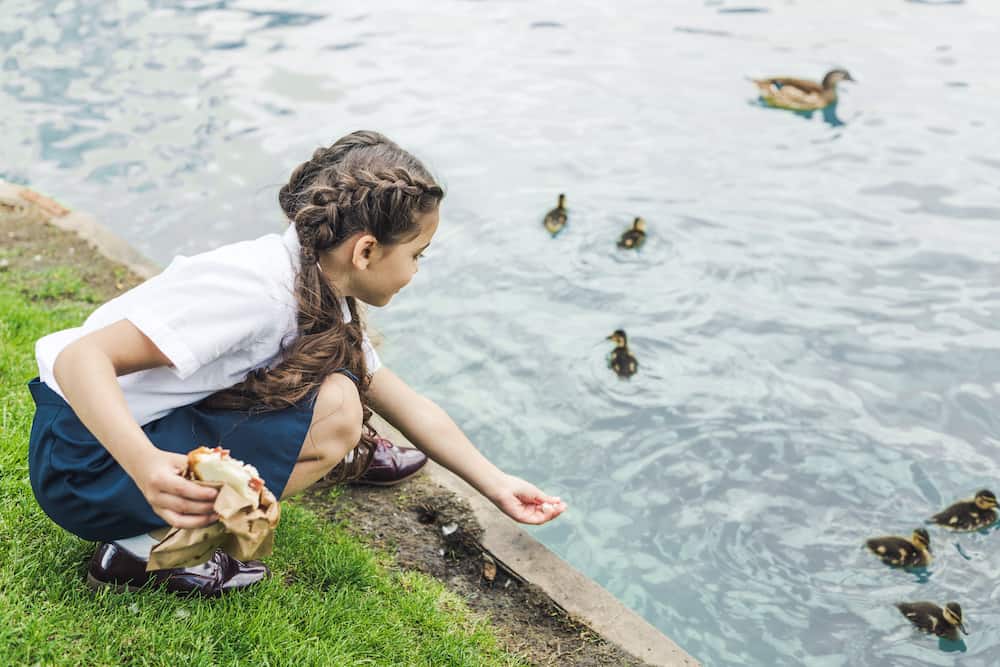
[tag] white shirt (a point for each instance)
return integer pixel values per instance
(216, 316)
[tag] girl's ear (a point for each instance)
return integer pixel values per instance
(363, 249)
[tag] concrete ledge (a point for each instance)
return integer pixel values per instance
(579, 595)
(86, 227)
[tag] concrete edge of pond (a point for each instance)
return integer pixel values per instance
(579, 595)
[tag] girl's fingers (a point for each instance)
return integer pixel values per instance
(185, 520)
(184, 506)
(178, 486)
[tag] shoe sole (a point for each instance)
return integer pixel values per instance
(96, 584)
(392, 483)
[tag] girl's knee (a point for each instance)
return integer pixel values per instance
(336, 420)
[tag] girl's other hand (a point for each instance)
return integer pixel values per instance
(178, 501)
(522, 501)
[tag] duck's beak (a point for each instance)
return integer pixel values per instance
(850, 78)
(961, 626)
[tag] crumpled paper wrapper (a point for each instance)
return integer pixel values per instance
(242, 531)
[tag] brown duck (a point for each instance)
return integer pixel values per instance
(928, 617)
(621, 361)
(801, 94)
(979, 512)
(901, 552)
(557, 218)
(634, 237)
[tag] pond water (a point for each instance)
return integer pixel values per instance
(815, 312)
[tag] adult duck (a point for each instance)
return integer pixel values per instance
(801, 94)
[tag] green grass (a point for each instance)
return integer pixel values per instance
(331, 601)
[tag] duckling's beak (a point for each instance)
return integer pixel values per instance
(850, 78)
(961, 626)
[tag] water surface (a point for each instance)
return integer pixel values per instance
(815, 311)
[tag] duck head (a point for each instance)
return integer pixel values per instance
(985, 500)
(952, 613)
(835, 76)
(639, 225)
(921, 538)
(619, 338)
(562, 201)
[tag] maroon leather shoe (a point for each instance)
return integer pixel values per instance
(117, 568)
(391, 464)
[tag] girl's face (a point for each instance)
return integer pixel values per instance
(391, 268)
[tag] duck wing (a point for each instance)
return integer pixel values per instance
(623, 363)
(893, 550)
(555, 219)
(958, 516)
(778, 82)
(924, 615)
(629, 239)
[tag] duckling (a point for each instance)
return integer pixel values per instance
(557, 218)
(622, 361)
(635, 237)
(928, 617)
(915, 552)
(801, 94)
(969, 514)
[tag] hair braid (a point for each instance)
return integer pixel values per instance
(366, 183)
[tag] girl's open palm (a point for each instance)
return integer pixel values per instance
(524, 502)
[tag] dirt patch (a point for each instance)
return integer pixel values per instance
(430, 530)
(29, 243)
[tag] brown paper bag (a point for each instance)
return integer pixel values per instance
(242, 531)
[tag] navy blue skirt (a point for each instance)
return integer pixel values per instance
(83, 489)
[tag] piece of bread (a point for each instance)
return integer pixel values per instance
(216, 465)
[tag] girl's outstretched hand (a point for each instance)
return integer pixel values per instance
(178, 501)
(522, 501)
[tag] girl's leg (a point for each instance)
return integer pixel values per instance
(335, 430)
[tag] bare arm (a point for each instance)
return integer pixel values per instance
(87, 372)
(430, 428)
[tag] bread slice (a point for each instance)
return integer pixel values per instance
(216, 465)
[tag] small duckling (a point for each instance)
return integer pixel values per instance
(969, 514)
(635, 237)
(622, 362)
(801, 94)
(928, 617)
(556, 219)
(899, 551)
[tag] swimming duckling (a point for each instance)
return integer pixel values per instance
(969, 514)
(899, 551)
(635, 237)
(928, 617)
(801, 94)
(622, 361)
(556, 219)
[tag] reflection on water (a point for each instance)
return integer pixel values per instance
(814, 311)
(827, 113)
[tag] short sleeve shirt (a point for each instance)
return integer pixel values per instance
(216, 316)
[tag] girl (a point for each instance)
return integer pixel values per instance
(255, 346)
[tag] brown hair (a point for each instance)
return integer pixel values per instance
(362, 183)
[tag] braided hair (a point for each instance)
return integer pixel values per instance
(362, 183)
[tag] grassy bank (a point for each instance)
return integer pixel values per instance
(332, 601)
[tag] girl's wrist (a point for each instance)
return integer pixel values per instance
(492, 488)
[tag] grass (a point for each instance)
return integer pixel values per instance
(331, 601)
